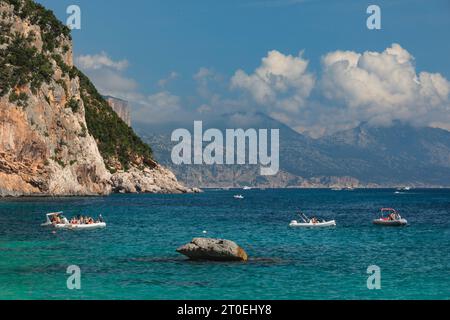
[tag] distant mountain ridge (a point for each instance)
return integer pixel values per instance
(365, 156)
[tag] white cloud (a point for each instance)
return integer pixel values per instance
(382, 87)
(352, 87)
(112, 83)
(108, 76)
(99, 61)
(171, 77)
(159, 108)
(281, 82)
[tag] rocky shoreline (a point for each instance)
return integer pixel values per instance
(58, 136)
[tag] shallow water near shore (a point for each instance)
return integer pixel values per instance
(135, 258)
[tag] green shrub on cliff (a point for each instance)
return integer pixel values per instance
(22, 64)
(115, 139)
(52, 29)
(74, 105)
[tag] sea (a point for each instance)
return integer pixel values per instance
(135, 256)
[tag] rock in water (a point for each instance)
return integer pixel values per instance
(213, 249)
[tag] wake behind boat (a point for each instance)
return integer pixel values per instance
(59, 221)
(311, 223)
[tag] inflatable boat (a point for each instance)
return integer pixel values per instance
(64, 224)
(323, 224)
(393, 218)
(311, 223)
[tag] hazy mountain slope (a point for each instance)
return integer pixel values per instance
(367, 156)
(396, 154)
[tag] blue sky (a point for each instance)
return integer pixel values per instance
(159, 38)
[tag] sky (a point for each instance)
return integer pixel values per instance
(311, 64)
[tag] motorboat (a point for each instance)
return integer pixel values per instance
(58, 221)
(239, 196)
(311, 223)
(247, 188)
(390, 218)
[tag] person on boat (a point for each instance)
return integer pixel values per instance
(314, 220)
(100, 218)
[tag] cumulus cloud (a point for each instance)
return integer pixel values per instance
(351, 88)
(281, 82)
(379, 87)
(99, 61)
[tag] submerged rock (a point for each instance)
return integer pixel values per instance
(213, 249)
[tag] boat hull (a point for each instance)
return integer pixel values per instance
(390, 223)
(81, 227)
(295, 224)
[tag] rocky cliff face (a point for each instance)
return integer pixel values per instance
(50, 123)
(121, 107)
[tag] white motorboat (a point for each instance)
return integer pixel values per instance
(247, 188)
(239, 196)
(311, 223)
(63, 224)
(295, 223)
(393, 219)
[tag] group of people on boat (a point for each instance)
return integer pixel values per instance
(85, 220)
(79, 220)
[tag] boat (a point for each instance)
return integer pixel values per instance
(309, 223)
(393, 219)
(336, 189)
(66, 225)
(239, 196)
(75, 227)
(247, 188)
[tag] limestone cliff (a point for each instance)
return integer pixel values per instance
(58, 136)
(121, 107)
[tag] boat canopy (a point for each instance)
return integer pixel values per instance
(53, 214)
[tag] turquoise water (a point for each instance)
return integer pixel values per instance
(135, 258)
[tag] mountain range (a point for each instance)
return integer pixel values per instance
(365, 156)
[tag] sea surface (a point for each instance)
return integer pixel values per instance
(135, 257)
